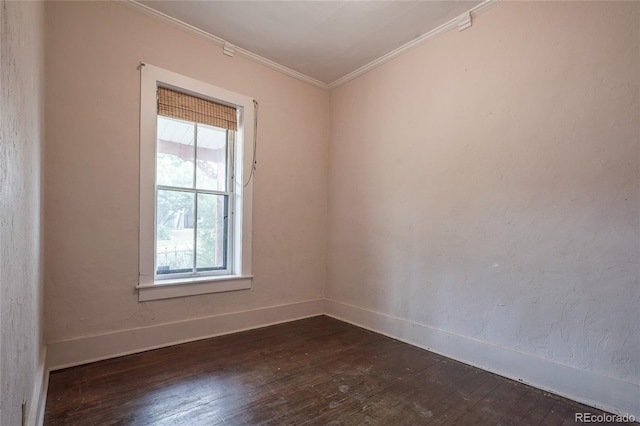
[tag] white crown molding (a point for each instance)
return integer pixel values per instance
(276, 66)
(453, 23)
(168, 19)
(221, 42)
(447, 26)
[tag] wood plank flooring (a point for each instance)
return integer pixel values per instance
(317, 371)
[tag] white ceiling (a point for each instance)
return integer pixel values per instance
(324, 40)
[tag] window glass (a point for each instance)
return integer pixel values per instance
(174, 231)
(175, 152)
(211, 172)
(212, 232)
(192, 197)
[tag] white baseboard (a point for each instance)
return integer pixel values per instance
(603, 392)
(83, 350)
(39, 394)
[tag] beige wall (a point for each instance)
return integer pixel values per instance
(483, 186)
(486, 185)
(21, 71)
(92, 113)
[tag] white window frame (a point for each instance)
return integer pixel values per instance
(149, 286)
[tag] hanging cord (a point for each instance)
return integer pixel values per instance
(255, 140)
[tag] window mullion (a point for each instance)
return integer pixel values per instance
(230, 161)
(230, 202)
(176, 188)
(199, 191)
(195, 196)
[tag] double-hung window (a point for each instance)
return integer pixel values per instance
(195, 195)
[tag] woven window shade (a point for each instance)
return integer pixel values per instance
(186, 107)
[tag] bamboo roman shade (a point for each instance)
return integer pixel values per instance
(186, 107)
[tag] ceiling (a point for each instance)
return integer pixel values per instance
(324, 40)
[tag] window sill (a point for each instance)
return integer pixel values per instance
(167, 289)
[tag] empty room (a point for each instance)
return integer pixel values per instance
(319, 212)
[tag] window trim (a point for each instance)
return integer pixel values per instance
(150, 288)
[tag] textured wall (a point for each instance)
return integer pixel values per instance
(487, 184)
(21, 54)
(92, 112)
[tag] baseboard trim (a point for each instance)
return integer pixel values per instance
(39, 394)
(69, 353)
(606, 393)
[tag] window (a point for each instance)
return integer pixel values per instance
(195, 199)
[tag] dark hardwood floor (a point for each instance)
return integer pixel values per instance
(317, 371)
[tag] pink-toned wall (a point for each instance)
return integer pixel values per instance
(92, 112)
(21, 152)
(484, 197)
(482, 192)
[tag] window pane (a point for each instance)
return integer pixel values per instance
(212, 232)
(174, 162)
(174, 232)
(212, 158)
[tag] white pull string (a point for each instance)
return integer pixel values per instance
(255, 142)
